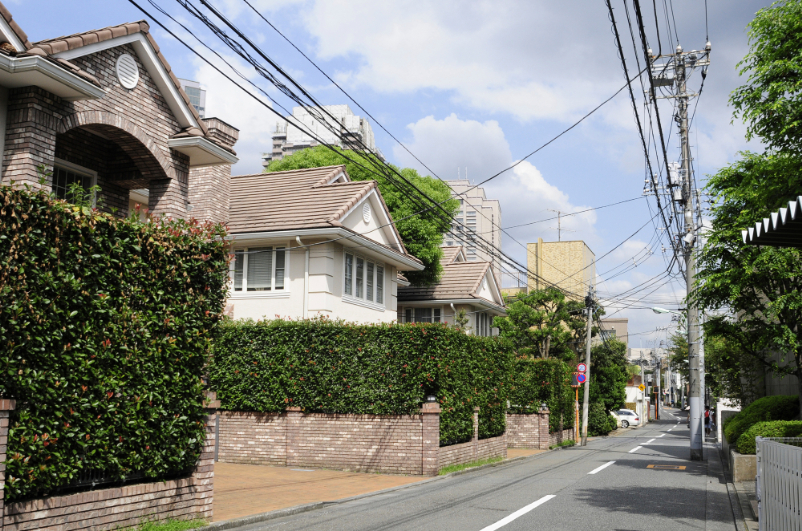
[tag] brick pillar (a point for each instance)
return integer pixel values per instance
(30, 141)
(6, 407)
(475, 438)
(430, 432)
(543, 429)
(294, 416)
(203, 475)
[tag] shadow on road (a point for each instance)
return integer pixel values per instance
(671, 502)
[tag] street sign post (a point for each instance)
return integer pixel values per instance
(577, 379)
(582, 367)
(642, 387)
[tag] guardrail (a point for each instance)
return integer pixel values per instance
(779, 483)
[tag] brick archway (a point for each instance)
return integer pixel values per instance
(143, 151)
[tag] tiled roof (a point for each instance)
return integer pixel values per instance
(460, 280)
(297, 199)
(450, 254)
(49, 47)
(15, 27)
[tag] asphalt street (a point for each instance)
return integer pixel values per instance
(631, 481)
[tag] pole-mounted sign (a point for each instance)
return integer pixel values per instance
(582, 367)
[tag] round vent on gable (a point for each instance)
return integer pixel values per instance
(366, 213)
(127, 71)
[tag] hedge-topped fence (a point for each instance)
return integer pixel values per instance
(380, 369)
(104, 326)
(535, 381)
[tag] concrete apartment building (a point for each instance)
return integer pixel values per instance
(197, 95)
(616, 328)
(568, 265)
(353, 132)
(480, 217)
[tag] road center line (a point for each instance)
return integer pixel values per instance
(663, 435)
(669, 429)
(649, 441)
(517, 514)
(635, 449)
(605, 465)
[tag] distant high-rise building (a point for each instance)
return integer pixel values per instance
(197, 95)
(481, 221)
(569, 266)
(349, 132)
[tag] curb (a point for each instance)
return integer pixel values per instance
(298, 509)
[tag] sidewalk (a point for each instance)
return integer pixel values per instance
(246, 490)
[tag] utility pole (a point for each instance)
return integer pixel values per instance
(586, 399)
(559, 224)
(683, 64)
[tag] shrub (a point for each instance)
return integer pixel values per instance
(381, 369)
(534, 381)
(599, 421)
(104, 325)
(776, 428)
(761, 410)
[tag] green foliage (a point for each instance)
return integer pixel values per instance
(105, 327)
(776, 428)
(600, 422)
(771, 101)
(542, 324)
(464, 466)
(568, 443)
(421, 233)
(761, 410)
(461, 320)
(535, 381)
(608, 375)
(170, 525)
(324, 366)
(731, 373)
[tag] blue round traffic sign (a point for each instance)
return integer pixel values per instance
(581, 378)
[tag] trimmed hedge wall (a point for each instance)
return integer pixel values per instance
(761, 410)
(777, 428)
(534, 381)
(381, 369)
(104, 327)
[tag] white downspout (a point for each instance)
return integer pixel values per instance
(306, 276)
(455, 312)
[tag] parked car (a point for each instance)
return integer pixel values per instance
(617, 418)
(628, 418)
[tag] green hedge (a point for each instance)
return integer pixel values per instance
(600, 422)
(776, 428)
(761, 410)
(104, 325)
(534, 381)
(324, 366)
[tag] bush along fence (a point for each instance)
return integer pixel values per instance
(392, 398)
(534, 382)
(105, 326)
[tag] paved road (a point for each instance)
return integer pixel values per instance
(605, 485)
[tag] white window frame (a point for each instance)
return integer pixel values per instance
(273, 293)
(363, 301)
(74, 168)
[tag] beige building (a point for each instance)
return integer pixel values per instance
(616, 328)
(568, 265)
(480, 217)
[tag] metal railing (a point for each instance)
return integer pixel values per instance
(779, 483)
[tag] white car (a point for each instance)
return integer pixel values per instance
(628, 418)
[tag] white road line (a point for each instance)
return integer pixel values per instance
(649, 441)
(517, 514)
(596, 470)
(669, 429)
(635, 449)
(663, 435)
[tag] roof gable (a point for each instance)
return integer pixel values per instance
(138, 35)
(452, 254)
(11, 32)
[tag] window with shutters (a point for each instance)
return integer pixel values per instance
(363, 280)
(260, 271)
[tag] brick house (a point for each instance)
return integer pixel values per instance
(464, 285)
(312, 243)
(104, 108)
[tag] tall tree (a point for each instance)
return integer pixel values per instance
(760, 287)
(542, 324)
(422, 232)
(608, 374)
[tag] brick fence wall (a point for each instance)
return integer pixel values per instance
(119, 507)
(395, 444)
(528, 431)
(560, 436)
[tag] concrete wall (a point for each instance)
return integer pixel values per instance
(568, 264)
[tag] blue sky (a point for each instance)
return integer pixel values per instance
(477, 84)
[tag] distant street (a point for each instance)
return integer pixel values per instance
(574, 489)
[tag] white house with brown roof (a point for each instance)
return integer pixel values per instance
(311, 243)
(464, 285)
